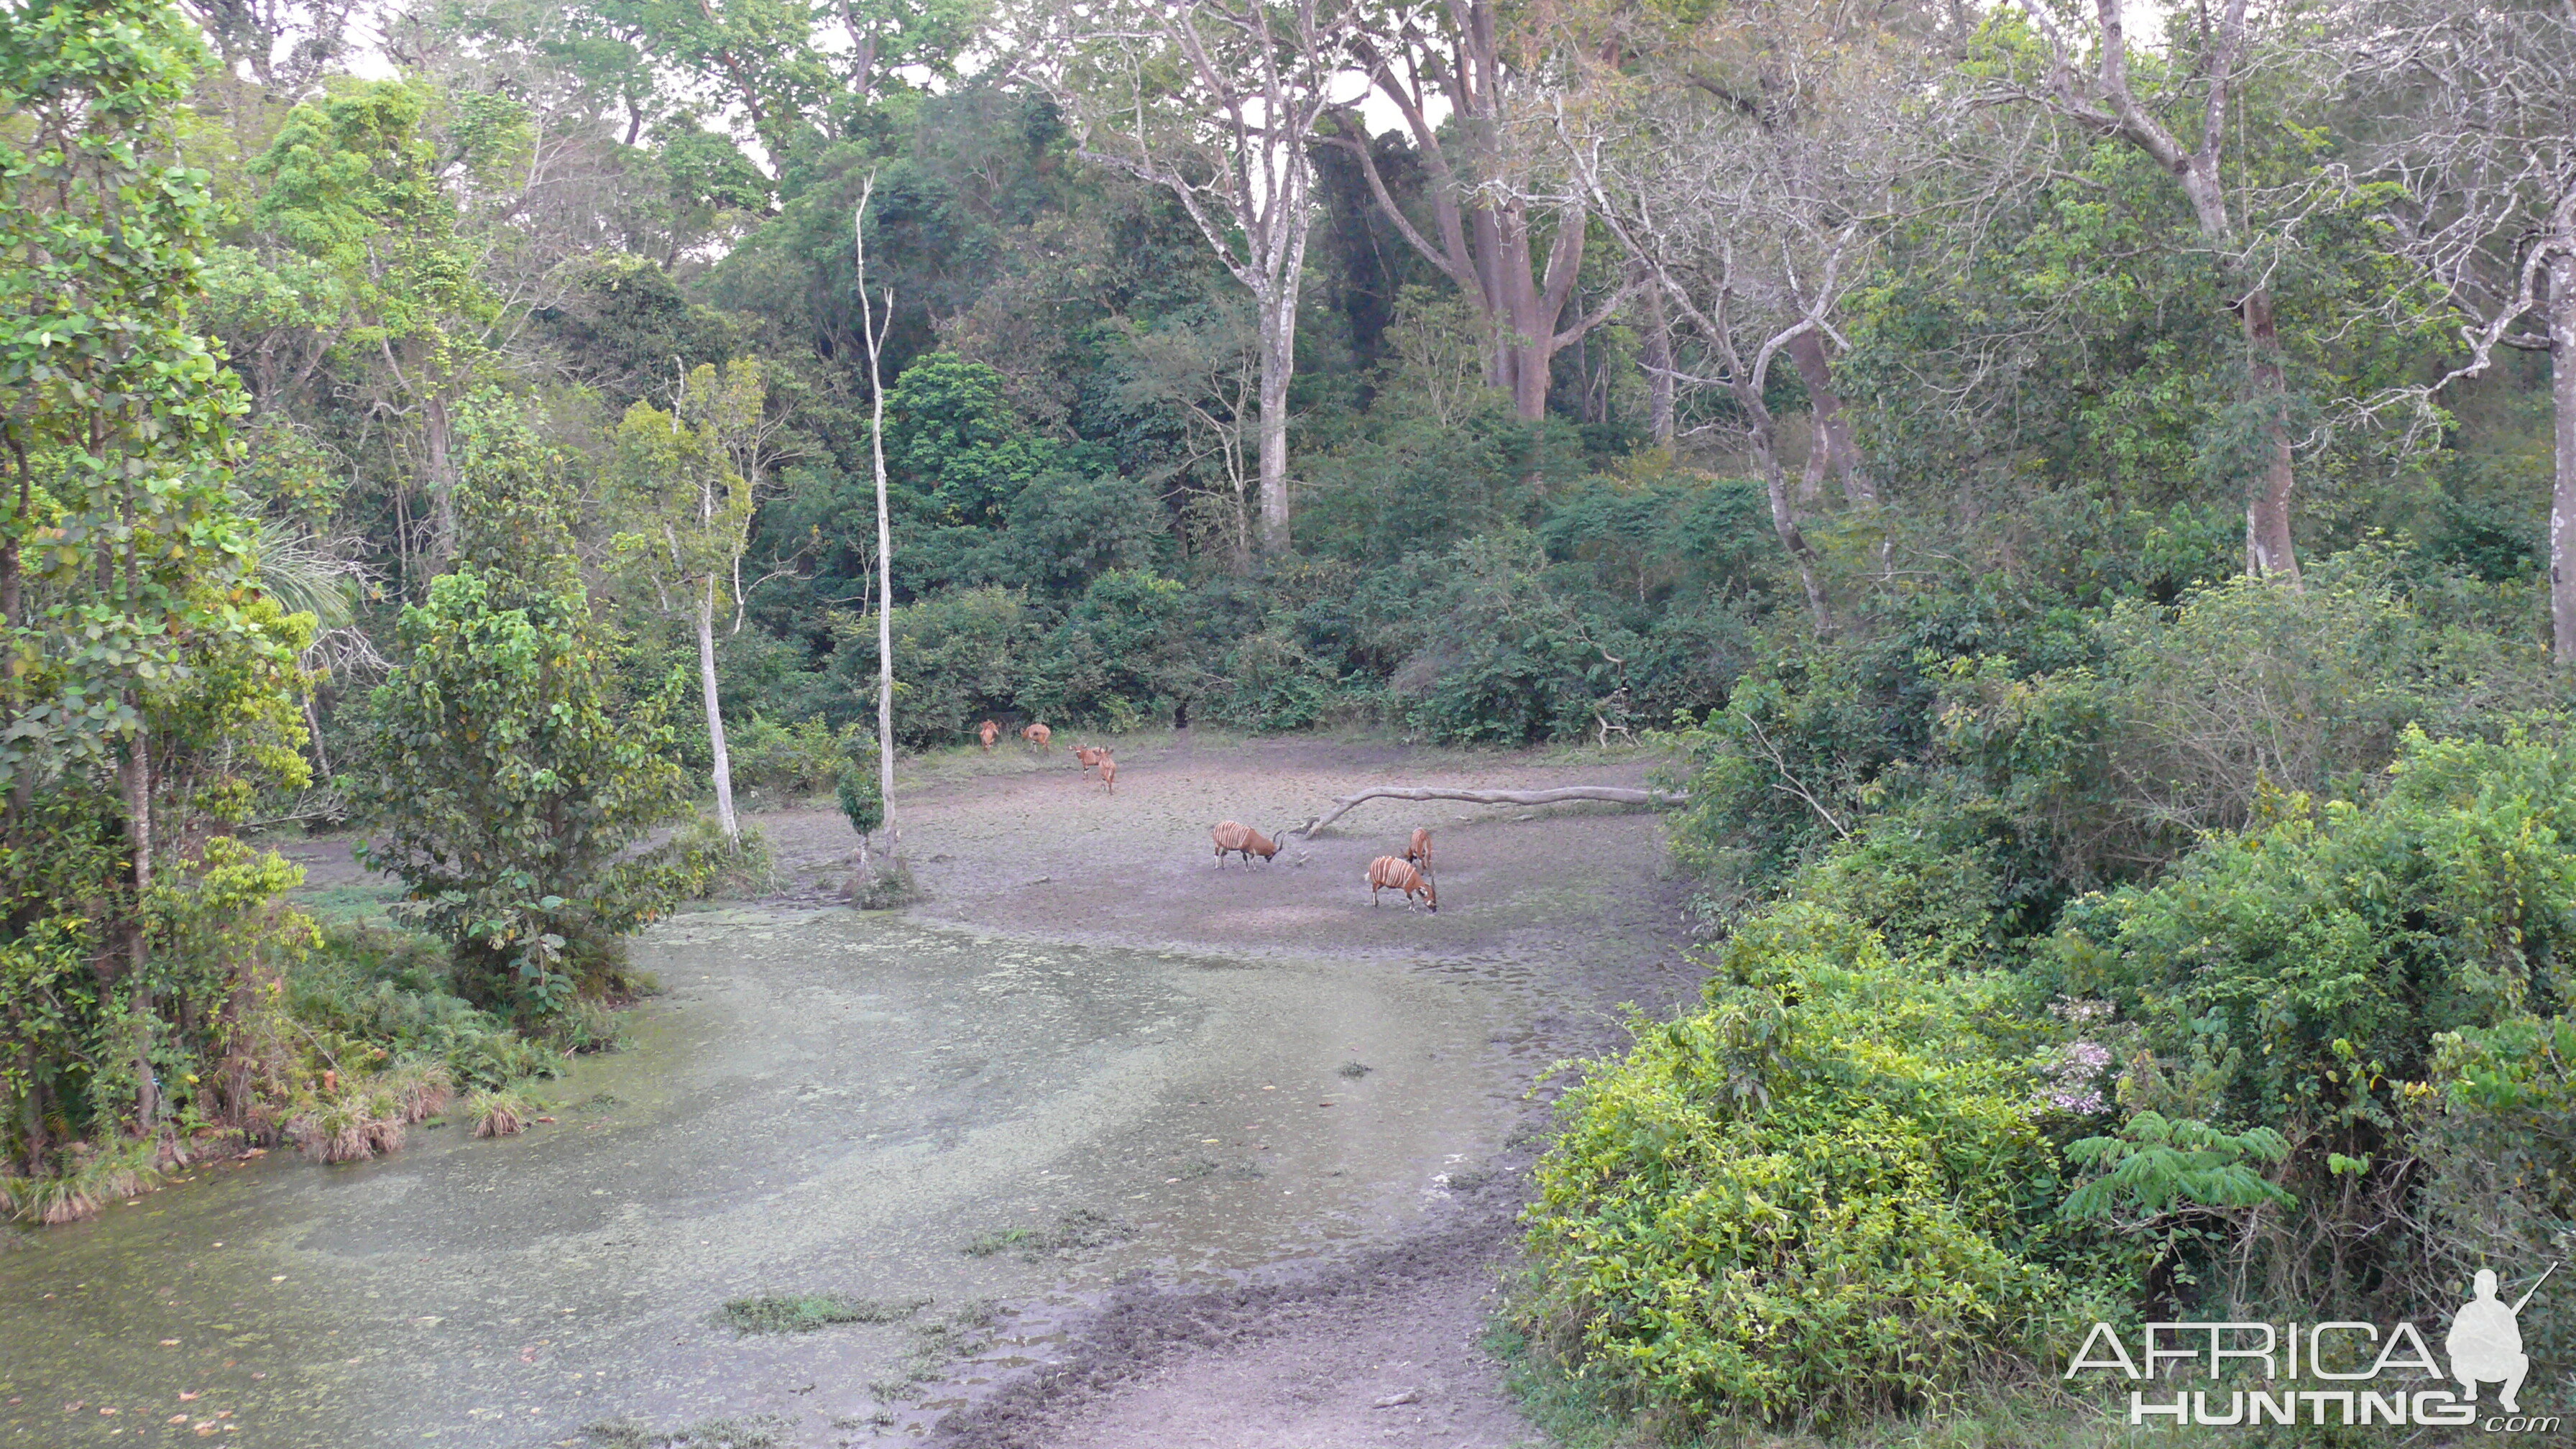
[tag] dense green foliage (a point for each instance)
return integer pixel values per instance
(2326, 974)
(148, 682)
(1828, 1195)
(2243, 944)
(509, 787)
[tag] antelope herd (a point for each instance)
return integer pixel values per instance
(1409, 874)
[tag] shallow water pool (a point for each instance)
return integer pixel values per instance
(819, 1101)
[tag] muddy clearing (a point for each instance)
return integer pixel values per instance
(1132, 1079)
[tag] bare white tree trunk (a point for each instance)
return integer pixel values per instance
(885, 618)
(1278, 366)
(885, 532)
(2562, 505)
(715, 712)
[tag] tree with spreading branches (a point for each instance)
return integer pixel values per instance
(2468, 111)
(1217, 104)
(2090, 77)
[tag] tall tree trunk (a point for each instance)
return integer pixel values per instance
(715, 712)
(1278, 366)
(1784, 513)
(2268, 552)
(875, 339)
(885, 623)
(1530, 378)
(1658, 340)
(136, 770)
(1834, 445)
(1481, 243)
(2268, 549)
(1534, 302)
(2107, 105)
(435, 429)
(2562, 504)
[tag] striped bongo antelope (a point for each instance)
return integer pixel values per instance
(1232, 839)
(988, 732)
(1108, 772)
(1386, 873)
(1089, 756)
(1038, 735)
(1418, 852)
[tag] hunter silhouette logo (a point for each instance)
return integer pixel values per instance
(2337, 1372)
(2485, 1342)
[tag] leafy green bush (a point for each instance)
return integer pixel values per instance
(2495, 1122)
(505, 781)
(1785, 769)
(862, 798)
(2311, 974)
(1489, 652)
(795, 760)
(1269, 683)
(391, 990)
(1119, 658)
(1923, 882)
(959, 656)
(2192, 712)
(1827, 1195)
(1669, 539)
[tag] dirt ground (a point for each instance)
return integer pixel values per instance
(1575, 906)
(1383, 1347)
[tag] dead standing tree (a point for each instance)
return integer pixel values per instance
(2468, 109)
(2103, 100)
(1215, 102)
(874, 331)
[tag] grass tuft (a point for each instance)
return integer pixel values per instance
(806, 1312)
(120, 1172)
(362, 1119)
(1076, 1231)
(502, 1113)
(759, 1431)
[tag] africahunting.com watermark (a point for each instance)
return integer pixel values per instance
(2483, 1346)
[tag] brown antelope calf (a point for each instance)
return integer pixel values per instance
(1038, 735)
(1386, 873)
(1418, 852)
(1108, 772)
(1232, 838)
(988, 732)
(1089, 756)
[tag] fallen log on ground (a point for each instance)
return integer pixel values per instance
(1615, 794)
